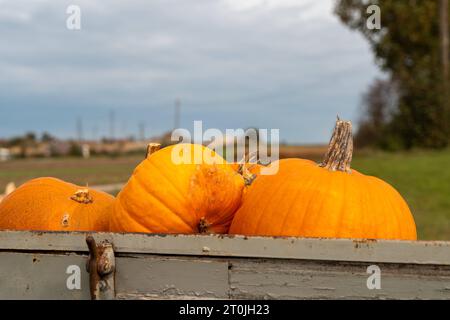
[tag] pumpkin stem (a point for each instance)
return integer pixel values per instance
(203, 225)
(82, 196)
(244, 169)
(152, 148)
(340, 148)
(246, 174)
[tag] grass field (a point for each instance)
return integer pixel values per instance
(93, 171)
(422, 177)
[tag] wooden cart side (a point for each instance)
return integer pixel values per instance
(26, 275)
(40, 265)
(381, 251)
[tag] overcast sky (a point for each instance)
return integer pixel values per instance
(287, 64)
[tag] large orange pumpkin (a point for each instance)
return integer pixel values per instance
(327, 200)
(54, 205)
(167, 196)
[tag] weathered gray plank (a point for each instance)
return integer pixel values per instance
(41, 276)
(277, 279)
(165, 277)
(44, 276)
(417, 252)
(141, 276)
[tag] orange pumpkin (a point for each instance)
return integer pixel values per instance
(165, 195)
(54, 205)
(327, 200)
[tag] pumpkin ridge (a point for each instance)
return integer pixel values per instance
(160, 171)
(130, 210)
(343, 205)
(389, 202)
(119, 202)
(365, 198)
(160, 201)
(326, 192)
(313, 181)
(286, 215)
(261, 215)
(175, 187)
(372, 186)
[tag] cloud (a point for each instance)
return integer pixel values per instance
(245, 5)
(274, 64)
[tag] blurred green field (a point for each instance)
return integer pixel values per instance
(422, 177)
(92, 171)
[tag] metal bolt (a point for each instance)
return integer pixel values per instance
(102, 285)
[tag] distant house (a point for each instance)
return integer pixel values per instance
(5, 154)
(59, 148)
(85, 150)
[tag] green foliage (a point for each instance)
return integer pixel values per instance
(47, 137)
(407, 47)
(75, 149)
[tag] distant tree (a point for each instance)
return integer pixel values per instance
(379, 106)
(30, 137)
(14, 141)
(75, 149)
(408, 47)
(24, 142)
(47, 137)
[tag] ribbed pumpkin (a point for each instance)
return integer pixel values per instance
(55, 205)
(327, 200)
(164, 196)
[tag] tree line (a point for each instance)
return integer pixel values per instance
(410, 107)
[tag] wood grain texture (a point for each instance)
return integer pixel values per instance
(416, 252)
(43, 276)
(33, 266)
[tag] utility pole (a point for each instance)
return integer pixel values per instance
(94, 133)
(141, 131)
(79, 130)
(112, 128)
(176, 123)
(124, 129)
